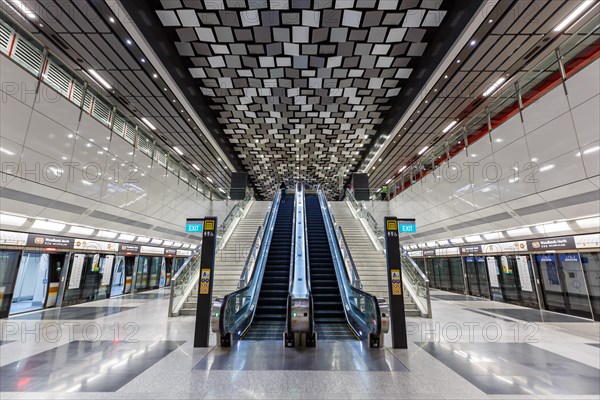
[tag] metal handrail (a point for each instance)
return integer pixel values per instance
(184, 280)
(245, 308)
(355, 277)
(414, 278)
(358, 302)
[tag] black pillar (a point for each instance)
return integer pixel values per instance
(205, 283)
(394, 271)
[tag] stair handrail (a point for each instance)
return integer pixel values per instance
(415, 280)
(361, 308)
(236, 310)
(184, 281)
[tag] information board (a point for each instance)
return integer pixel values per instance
(492, 266)
(76, 270)
(107, 269)
(524, 275)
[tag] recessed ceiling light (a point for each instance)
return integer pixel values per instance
(458, 61)
(402, 169)
(196, 167)
(112, 20)
(449, 127)
(473, 42)
(155, 76)
(423, 150)
(129, 42)
(143, 60)
(445, 76)
(165, 89)
(490, 21)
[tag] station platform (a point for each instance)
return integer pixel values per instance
(127, 348)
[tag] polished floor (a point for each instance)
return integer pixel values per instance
(127, 348)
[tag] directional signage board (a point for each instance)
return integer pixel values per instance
(194, 225)
(394, 272)
(407, 225)
(205, 284)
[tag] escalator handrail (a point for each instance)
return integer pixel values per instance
(342, 276)
(258, 271)
(311, 314)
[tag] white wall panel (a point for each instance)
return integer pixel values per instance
(95, 132)
(553, 139)
(48, 137)
(10, 155)
(584, 85)
(40, 168)
(567, 168)
(14, 119)
(587, 121)
(508, 132)
(16, 82)
(85, 184)
(57, 108)
(550, 106)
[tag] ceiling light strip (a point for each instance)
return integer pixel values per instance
(478, 18)
(151, 56)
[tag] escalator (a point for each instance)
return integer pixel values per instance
(330, 319)
(270, 316)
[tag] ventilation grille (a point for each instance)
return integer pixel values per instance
(183, 175)
(58, 79)
(145, 145)
(87, 106)
(77, 93)
(6, 37)
(119, 125)
(161, 157)
(29, 56)
(101, 111)
(130, 133)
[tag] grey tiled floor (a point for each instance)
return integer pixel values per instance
(138, 352)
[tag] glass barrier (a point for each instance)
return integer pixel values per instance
(361, 308)
(186, 278)
(237, 309)
(415, 280)
(579, 45)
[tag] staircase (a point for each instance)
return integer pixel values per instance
(231, 259)
(370, 262)
(330, 319)
(270, 316)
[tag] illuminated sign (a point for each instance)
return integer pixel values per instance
(194, 225)
(407, 226)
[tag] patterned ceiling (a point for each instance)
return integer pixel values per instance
(300, 87)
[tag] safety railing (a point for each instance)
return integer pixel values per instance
(236, 311)
(413, 278)
(361, 308)
(184, 281)
(579, 49)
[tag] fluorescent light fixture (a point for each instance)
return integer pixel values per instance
(142, 239)
(388, 181)
(126, 237)
(48, 225)
(431, 244)
(208, 179)
(493, 236)
(100, 79)
(197, 168)
(553, 228)
(167, 243)
(156, 241)
(457, 241)
(450, 126)
(6, 151)
(492, 89)
(546, 167)
(574, 14)
(107, 234)
(23, 8)
(473, 238)
(519, 232)
(221, 190)
(12, 220)
(589, 223)
(81, 230)
(402, 169)
(148, 123)
(423, 150)
(177, 244)
(177, 150)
